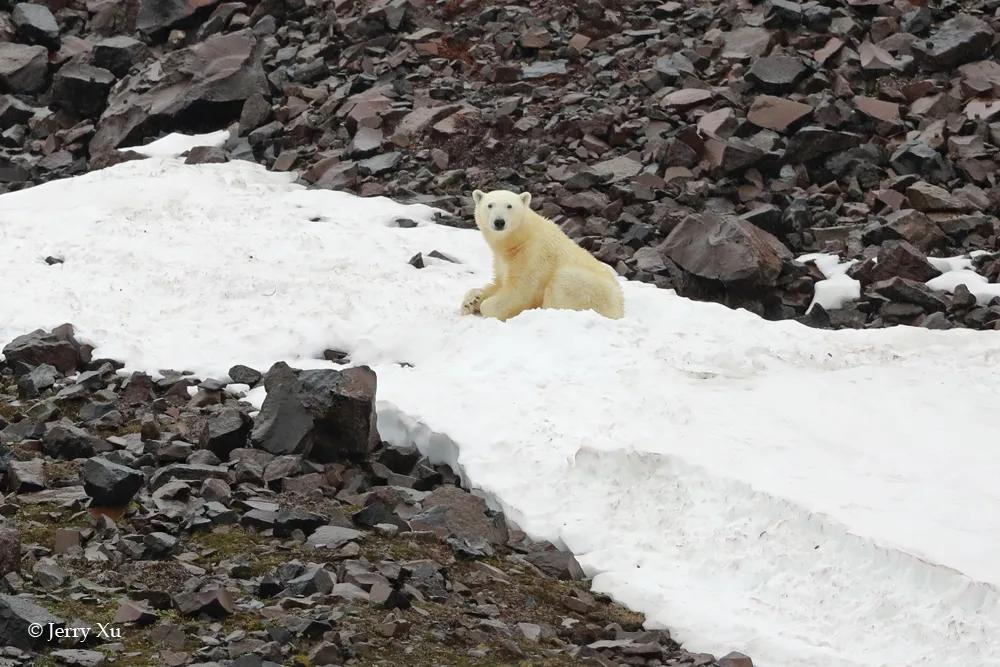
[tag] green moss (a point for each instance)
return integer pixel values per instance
(38, 527)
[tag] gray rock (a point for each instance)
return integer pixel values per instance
(326, 414)
(776, 74)
(16, 614)
(158, 15)
(36, 24)
(26, 476)
(223, 69)
(109, 484)
(333, 537)
(82, 89)
(118, 54)
(40, 347)
(957, 41)
(77, 657)
(63, 440)
(225, 431)
(727, 249)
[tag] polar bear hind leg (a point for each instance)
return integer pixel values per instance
(574, 288)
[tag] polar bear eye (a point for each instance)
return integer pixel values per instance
(509, 206)
(489, 206)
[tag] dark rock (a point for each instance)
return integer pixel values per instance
(776, 74)
(36, 25)
(910, 291)
(919, 158)
(212, 78)
(23, 68)
(452, 512)
(558, 564)
(225, 431)
(118, 54)
(245, 375)
(899, 259)
(727, 249)
(37, 380)
(326, 414)
(25, 476)
(813, 141)
(109, 484)
(82, 89)
(39, 347)
(158, 15)
(16, 615)
(63, 440)
(216, 603)
(957, 41)
(13, 112)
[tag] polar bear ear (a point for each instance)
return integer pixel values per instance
(526, 199)
(477, 196)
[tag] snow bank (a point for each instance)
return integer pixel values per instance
(813, 498)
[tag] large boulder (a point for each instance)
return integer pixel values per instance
(204, 84)
(225, 431)
(158, 15)
(36, 24)
(23, 68)
(57, 348)
(727, 249)
(82, 89)
(326, 414)
(16, 615)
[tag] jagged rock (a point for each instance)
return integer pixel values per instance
(63, 440)
(812, 142)
(82, 89)
(226, 431)
(558, 564)
(213, 78)
(58, 349)
(119, 54)
(216, 603)
(109, 484)
(158, 15)
(959, 40)
(36, 25)
(23, 68)
(325, 414)
(899, 259)
(725, 248)
(16, 614)
(776, 74)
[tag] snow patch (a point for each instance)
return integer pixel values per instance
(176, 144)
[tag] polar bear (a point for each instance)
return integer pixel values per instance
(535, 265)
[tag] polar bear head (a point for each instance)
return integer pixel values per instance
(500, 212)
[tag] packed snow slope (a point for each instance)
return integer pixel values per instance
(812, 498)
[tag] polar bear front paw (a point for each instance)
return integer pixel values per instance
(471, 302)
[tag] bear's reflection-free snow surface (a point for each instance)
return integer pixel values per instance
(811, 498)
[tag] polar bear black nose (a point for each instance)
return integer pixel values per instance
(499, 224)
